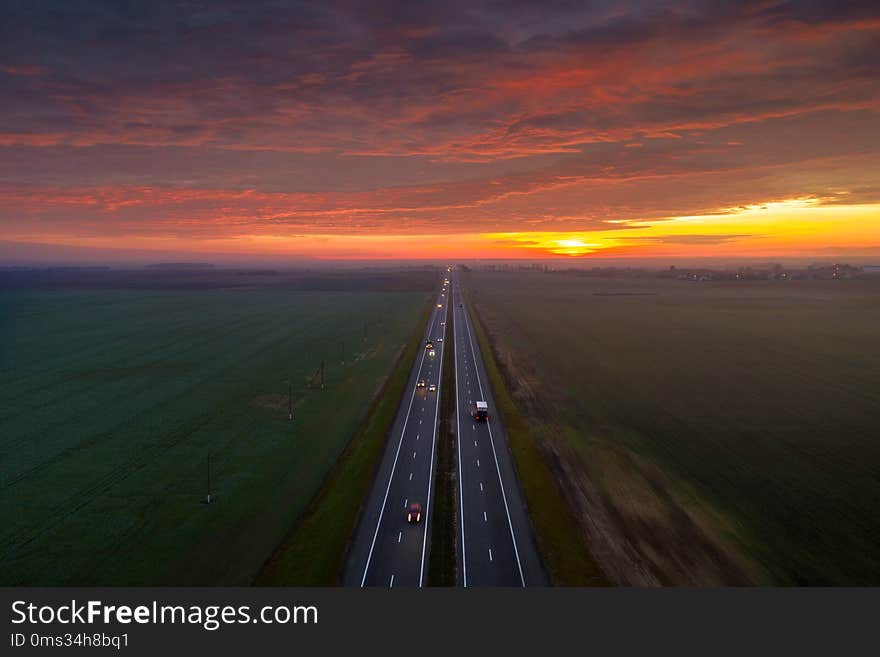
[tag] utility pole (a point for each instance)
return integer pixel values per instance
(208, 499)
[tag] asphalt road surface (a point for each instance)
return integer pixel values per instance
(496, 542)
(387, 550)
(496, 545)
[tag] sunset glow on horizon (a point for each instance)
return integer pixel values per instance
(406, 131)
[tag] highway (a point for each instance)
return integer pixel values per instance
(387, 550)
(496, 542)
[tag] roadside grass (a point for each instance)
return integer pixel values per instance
(313, 552)
(566, 557)
(442, 568)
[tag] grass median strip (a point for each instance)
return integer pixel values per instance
(312, 553)
(565, 555)
(442, 565)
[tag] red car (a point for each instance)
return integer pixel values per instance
(414, 514)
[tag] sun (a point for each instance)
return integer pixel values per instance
(572, 246)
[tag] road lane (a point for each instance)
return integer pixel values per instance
(497, 542)
(386, 549)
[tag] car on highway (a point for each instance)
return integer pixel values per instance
(439, 305)
(420, 384)
(432, 388)
(432, 353)
(414, 513)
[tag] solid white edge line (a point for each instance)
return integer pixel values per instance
(494, 453)
(458, 454)
(396, 455)
(431, 462)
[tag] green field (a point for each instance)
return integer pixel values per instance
(313, 552)
(702, 433)
(112, 403)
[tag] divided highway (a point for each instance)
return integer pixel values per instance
(387, 549)
(495, 543)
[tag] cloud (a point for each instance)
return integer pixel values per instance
(203, 119)
(463, 83)
(689, 239)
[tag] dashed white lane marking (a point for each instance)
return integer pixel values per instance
(417, 436)
(391, 476)
(478, 463)
(410, 476)
(495, 454)
(399, 537)
(475, 443)
(490, 554)
(481, 485)
(391, 584)
(405, 500)
(414, 454)
(485, 518)
(420, 420)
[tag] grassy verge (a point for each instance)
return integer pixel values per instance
(442, 564)
(313, 552)
(565, 555)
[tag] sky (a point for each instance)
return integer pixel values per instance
(382, 130)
